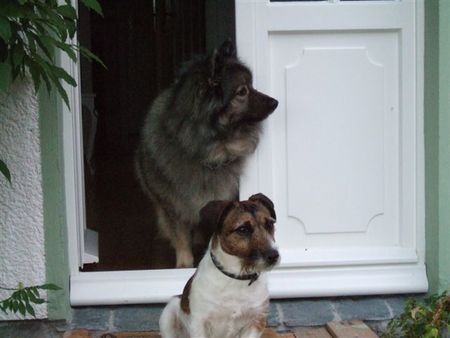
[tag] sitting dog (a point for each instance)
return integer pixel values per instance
(227, 296)
(194, 144)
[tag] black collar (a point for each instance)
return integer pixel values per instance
(251, 276)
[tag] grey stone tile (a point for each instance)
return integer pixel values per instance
(306, 312)
(29, 329)
(137, 317)
(273, 319)
(396, 303)
(92, 318)
(362, 308)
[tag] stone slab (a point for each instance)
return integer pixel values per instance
(92, 318)
(137, 318)
(307, 312)
(362, 308)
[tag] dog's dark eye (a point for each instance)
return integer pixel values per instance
(269, 225)
(242, 91)
(244, 230)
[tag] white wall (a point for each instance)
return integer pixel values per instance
(22, 255)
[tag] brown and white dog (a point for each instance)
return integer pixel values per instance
(228, 296)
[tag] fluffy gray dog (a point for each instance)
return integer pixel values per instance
(194, 143)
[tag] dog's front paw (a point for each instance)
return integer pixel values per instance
(185, 259)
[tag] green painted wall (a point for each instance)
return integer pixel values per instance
(437, 142)
(444, 144)
(56, 255)
(431, 125)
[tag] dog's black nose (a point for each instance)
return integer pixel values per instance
(273, 104)
(271, 256)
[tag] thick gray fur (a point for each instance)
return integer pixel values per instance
(194, 143)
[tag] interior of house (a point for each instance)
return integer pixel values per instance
(143, 44)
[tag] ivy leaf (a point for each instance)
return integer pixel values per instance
(3, 167)
(94, 5)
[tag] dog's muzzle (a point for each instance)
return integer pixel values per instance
(271, 257)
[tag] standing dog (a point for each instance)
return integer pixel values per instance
(227, 296)
(195, 140)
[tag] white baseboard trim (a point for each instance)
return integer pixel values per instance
(157, 286)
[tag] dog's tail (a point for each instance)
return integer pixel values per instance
(170, 323)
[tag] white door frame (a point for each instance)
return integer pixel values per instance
(294, 278)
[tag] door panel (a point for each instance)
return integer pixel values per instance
(338, 115)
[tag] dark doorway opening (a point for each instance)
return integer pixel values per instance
(143, 44)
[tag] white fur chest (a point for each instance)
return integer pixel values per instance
(226, 306)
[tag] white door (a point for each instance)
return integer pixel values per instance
(342, 156)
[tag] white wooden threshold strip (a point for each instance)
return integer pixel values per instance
(157, 286)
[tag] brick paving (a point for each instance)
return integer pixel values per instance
(335, 329)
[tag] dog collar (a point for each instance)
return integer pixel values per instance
(252, 277)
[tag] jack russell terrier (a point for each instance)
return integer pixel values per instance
(227, 297)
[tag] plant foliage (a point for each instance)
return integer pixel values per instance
(30, 30)
(425, 320)
(22, 298)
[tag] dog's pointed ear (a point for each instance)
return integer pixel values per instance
(212, 216)
(227, 50)
(266, 202)
(217, 60)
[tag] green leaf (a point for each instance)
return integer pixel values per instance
(94, 5)
(67, 11)
(62, 74)
(11, 8)
(5, 28)
(46, 45)
(39, 301)
(5, 82)
(57, 23)
(49, 286)
(31, 295)
(4, 169)
(22, 309)
(35, 76)
(89, 55)
(30, 309)
(35, 290)
(14, 305)
(17, 54)
(68, 49)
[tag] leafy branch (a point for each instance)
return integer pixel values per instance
(422, 320)
(30, 30)
(22, 298)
